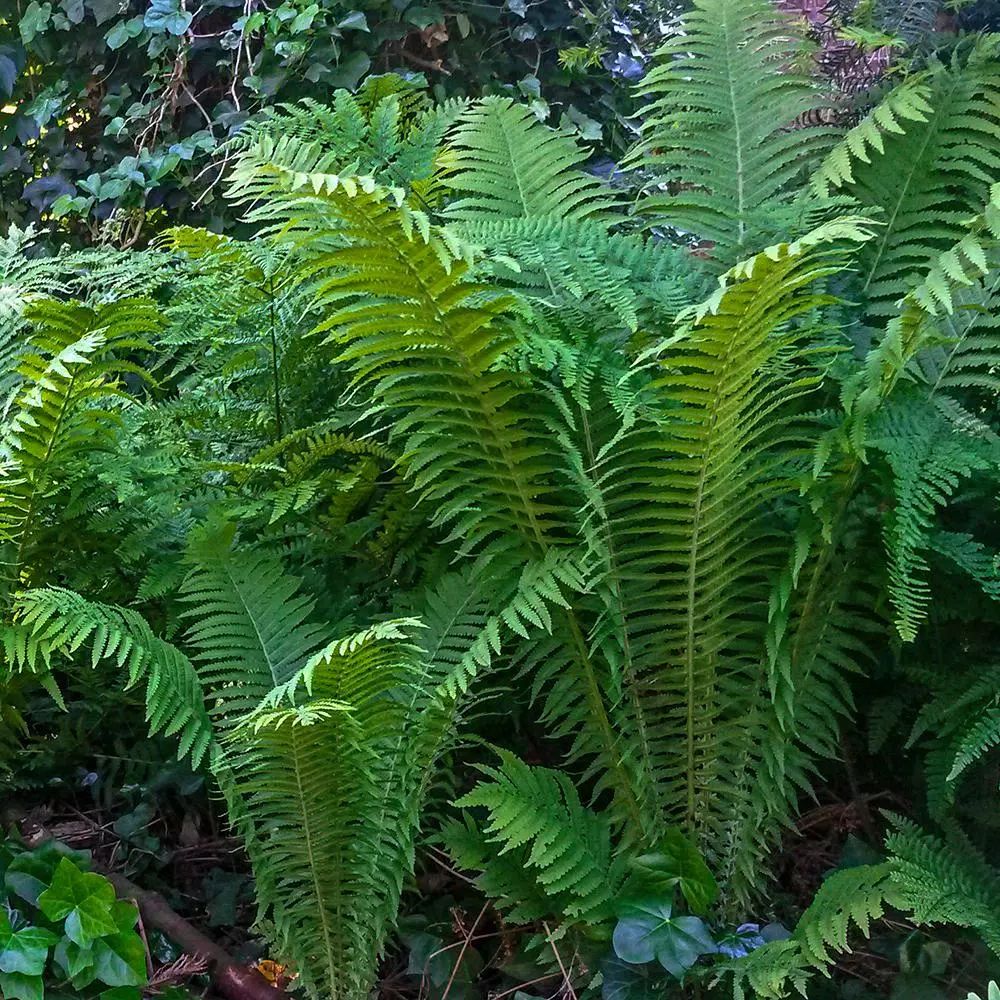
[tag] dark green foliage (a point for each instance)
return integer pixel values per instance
(61, 928)
(114, 115)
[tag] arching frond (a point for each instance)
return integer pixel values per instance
(60, 621)
(931, 178)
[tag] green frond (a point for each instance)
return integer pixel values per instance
(308, 770)
(250, 628)
(848, 899)
(939, 882)
(60, 621)
(562, 262)
(427, 342)
(851, 897)
(929, 460)
(69, 376)
(388, 129)
(931, 179)
(536, 813)
(723, 99)
(907, 102)
(504, 164)
(702, 498)
(24, 278)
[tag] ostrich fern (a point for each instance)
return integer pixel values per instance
(498, 433)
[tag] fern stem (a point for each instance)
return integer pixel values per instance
(307, 833)
(598, 711)
(278, 433)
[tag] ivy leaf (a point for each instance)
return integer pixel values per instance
(677, 862)
(122, 31)
(30, 873)
(166, 15)
(120, 960)
(84, 899)
(73, 960)
(34, 20)
(647, 930)
(104, 10)
(356, 20)
(23, 951)
(18, 986)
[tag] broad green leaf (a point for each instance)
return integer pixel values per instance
(18, 986)
(648, 930)
(23, 951)
(120, 960)
(73, 960)
(677, 862)
(34, 20)
(84, 899)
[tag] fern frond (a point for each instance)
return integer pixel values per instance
(850, 898)
(718, 129)
(565, 847)
(307, 771)
(250, 627)
(906, 103)
(505, 164)
(930, 179)
(60, 621)
(929, 460)
(942, 882)
(70, 377)
(399, 307)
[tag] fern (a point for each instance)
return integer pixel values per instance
(931, 178)
(308, 766)
(536, 814)
(928, 460)
(906, 103)
(503, 164)
(850, 898)
(70, 378)
(59, 620)
(941, 882)
(251, 629)
(722, 99)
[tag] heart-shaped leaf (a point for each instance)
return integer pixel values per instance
(18, 986)
(677, 862)
(120, 960)
(648, 929)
